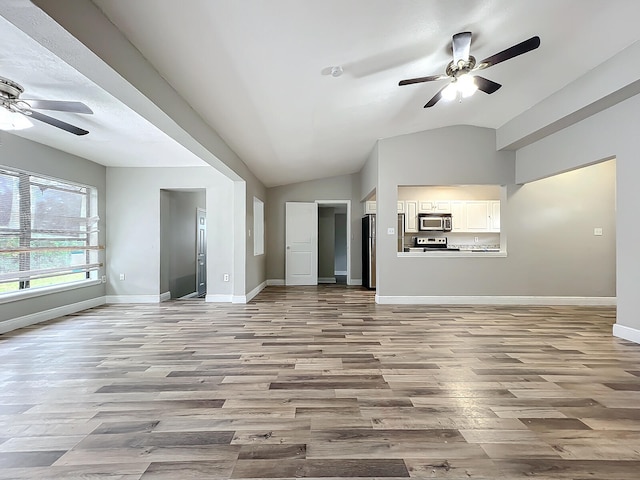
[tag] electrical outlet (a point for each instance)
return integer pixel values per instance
(122, 276)
(597, 231)
(104, 279)
(475, 239)
(225, 277)
(391, 231)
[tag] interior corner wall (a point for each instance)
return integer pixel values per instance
(369, 175)
(133, 238)
(610, 133)
(344, 187)
(34, 157)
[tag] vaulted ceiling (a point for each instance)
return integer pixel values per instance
(258, 72)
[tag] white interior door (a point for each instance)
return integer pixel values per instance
(301, 240)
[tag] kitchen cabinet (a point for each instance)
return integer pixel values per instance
(475, 216)
(434, 206)
(458, 216)
(411, 216)
(370, 207)
(494, 223)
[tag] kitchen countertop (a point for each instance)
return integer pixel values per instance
(435, 252)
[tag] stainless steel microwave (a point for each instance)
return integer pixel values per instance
(430, 222)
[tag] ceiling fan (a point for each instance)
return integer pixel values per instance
(462, 83)
(10, 92)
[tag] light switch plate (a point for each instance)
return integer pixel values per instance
(597, 231)
(391, 231)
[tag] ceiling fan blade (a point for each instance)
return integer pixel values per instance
(461, 46)
(486, 85)
(60, 106)
(519, 49)
(436, 98)
(421, 79)
(55, 122)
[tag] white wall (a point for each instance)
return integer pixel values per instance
(37, 158)
(133, 239)
(548, 225)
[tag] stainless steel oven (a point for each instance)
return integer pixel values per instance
(434, 222)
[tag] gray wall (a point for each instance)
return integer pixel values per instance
(344, 187)
(178, 241)
(34, 157)
(548, 224)
(326, 242)
(369, 175)
(612, 132)
(340, 247)
(133, 207)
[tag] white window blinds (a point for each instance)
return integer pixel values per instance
(48, 231)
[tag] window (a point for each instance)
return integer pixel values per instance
(258, 226)
(48, 231)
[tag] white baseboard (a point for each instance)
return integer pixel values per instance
(189, 295)
(327, 280)
(340, 273)
(165, 296)
(218, 298)
(275, 282)
(50, 314)
(249, 296)
(133, 298)
(494, 300)
(627, 333)
(355, 281)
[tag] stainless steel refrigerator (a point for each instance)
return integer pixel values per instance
(369, 251)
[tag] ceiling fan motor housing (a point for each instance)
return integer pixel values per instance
(461, 68)
(9, 89)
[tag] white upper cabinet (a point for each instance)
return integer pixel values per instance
(458, 216)
(434, 206)
(411, 216)
(370, 207)
(401, 206)
(478, 216)
(494, 224)
(475, 216)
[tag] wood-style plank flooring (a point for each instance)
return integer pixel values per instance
(320, 382)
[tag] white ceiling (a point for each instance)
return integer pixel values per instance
(118, 136)
(257, 72)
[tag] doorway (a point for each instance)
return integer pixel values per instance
(182, 243)
(333, 246)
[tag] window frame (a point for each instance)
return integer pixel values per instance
(87, 233)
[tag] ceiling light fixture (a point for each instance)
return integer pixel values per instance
(10, 120)
(464, 85)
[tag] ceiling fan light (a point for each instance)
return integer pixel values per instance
(467, 85)
(13, 121)
(450, 92)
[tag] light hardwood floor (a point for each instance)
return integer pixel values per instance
(320, 382)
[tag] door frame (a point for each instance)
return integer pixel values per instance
(329, 203)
